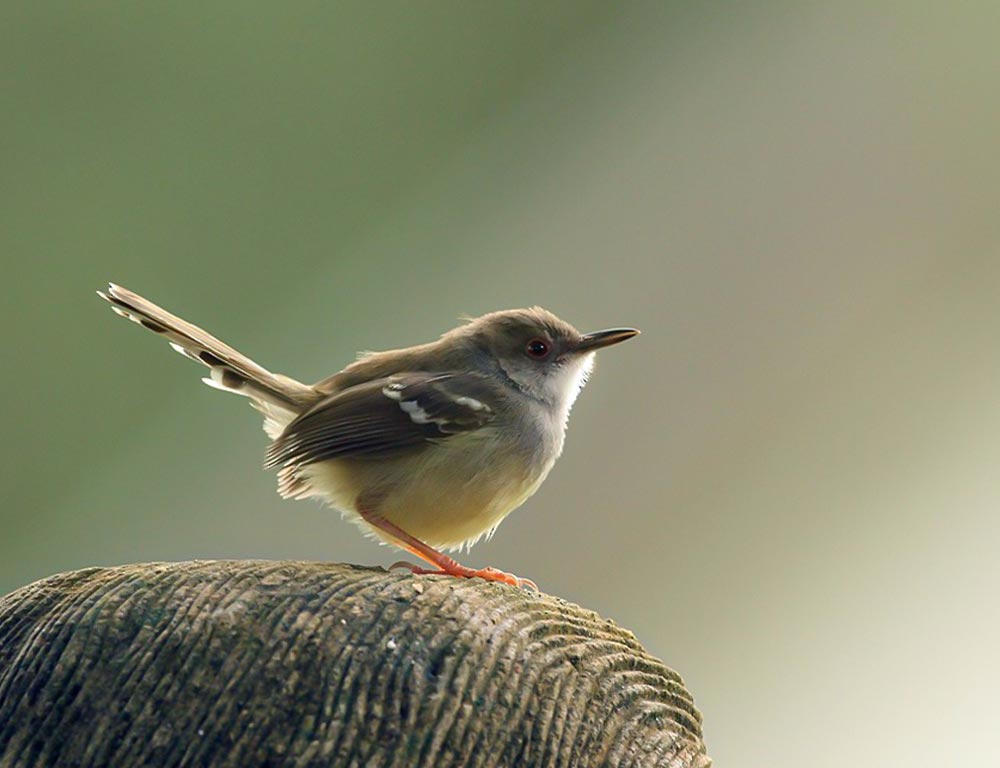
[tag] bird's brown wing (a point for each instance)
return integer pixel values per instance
(386, 416)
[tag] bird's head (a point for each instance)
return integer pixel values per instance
(541, 355)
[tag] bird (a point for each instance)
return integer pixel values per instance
(427, 448)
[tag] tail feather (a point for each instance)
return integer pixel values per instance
(279, 398)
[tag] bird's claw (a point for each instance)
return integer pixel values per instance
(489, 574)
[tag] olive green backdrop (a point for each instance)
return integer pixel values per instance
(788, 486)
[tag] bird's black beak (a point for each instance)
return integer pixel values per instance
(591, 341)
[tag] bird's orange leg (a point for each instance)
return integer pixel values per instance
(445, 565)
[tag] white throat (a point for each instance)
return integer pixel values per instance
(572, 381)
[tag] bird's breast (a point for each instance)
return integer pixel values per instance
(447, 494)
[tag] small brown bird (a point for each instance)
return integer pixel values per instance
(428, 447)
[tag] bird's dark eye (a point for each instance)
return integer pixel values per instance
(538, 349)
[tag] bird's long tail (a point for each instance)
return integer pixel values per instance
(279, 398)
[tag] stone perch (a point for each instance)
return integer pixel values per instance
(254, 663)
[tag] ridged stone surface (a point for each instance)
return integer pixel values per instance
(252, 663)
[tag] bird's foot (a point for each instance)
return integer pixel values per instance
(461, 571)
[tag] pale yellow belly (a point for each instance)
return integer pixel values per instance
(447, 496)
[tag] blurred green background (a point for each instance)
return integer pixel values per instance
(788, 487)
